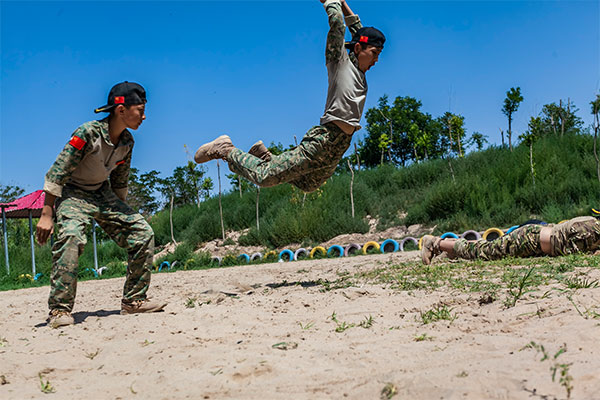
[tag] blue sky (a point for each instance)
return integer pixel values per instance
(255, 70)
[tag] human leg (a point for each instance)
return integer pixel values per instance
(306, 166)
(73, 213)
(130, 231)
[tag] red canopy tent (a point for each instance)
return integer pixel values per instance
(30, 206)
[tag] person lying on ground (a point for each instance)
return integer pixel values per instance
(315, 159)
(88, 181)
(581, 234)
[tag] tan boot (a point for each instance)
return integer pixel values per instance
(430, 247)
(58, 318)
(218, 148)
(141, 306)
(259, 150)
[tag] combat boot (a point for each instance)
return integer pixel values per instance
(58, 318)
(218, 148)
(430, 247)
(141, 306)
(259, 150)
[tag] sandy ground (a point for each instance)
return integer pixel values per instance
(266, 332)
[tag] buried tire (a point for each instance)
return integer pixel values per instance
(389, 246)
(335, 251)
(410, 240)
(352, 249)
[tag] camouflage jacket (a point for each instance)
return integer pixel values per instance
(90, 158)
(335, 38)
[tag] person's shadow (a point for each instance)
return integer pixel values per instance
(81, 316)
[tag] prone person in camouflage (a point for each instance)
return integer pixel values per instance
(314, 160)
(88, 181)
(581, 234)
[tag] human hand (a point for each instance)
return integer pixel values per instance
(44, 229)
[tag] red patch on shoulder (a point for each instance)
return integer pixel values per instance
(120, 162)
(77, 142)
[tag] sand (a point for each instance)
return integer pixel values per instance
(266, 332)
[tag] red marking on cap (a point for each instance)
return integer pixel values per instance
(364, 39)
(119, 99)
(120, 162)
(77, 142)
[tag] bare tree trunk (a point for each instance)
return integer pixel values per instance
(510, 132)
(171, 219)
(257, 198)
(220, 206)
(351, 191)
(357, 157)
(295, 141)
(502, 134)
(596, 122)
(303, 199)
(562, 119)
(240, 185)
(553, 124)
(451, 170)
(531, 163)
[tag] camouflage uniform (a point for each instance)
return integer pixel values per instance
(80, 179)
(315, 159)
(576, 235)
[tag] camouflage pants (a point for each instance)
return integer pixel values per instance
(522, 242)
(74, 212)
(306, 166)
(576, 235)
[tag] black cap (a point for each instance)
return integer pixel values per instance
(367, 35)
(126, 93)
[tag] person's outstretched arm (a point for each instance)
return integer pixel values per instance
(352, 20)
(335, 37)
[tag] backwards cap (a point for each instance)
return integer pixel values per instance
(367, 35)
(126, 93)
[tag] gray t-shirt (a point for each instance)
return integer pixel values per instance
(346, 94)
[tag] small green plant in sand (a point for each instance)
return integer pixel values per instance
(580, 283)
(438, 313)
(147, 343)
(565, 379)
(518, 288)
(46, 387)
(423, 337)
(340, 326)
(190, 302)
(92, 355)
(367, 322)
(307, 325)
(3, 342)
(587, 313)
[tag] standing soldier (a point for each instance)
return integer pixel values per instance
(313, 161)
(88, 181)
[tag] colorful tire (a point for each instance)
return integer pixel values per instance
(351, 249)
(245, 258)
(320, 249)
(449, 235)
(270, 255)
(492, 233)
(471, 235)
(409, 239)
(337, 249)
(389, 246)
(564, 220)
(39, 275)
(289, 253)
(256, 256)
(512, 228)
(216, 259)
(299, 252)
(164, 264)
(370, 245)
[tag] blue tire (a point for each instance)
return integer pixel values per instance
(335, 251)
(389, 246)
(165, 264)
(449, 235)
(288, 253)
(512, 228)
(37, 276)
(245, 258)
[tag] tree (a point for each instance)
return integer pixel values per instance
(511, 105)
(558, 118)
(141, 191)
(452, 127)
(534, 131)
(9, 193)
(236, 181)
(477, 140)
(384, 143)
(187, 185)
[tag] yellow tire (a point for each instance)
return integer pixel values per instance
(369, 245)
(420, 242)
(270, 254)
(319, 249)
(494, 232)
(564, 220)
